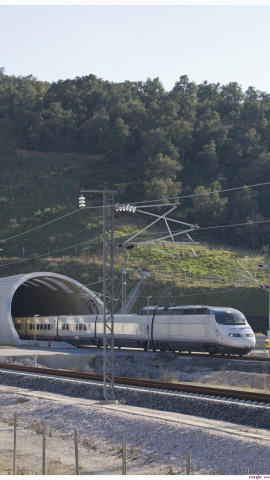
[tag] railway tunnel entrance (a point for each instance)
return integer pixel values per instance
(43, 294)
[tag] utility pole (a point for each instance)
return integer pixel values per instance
(108, 291)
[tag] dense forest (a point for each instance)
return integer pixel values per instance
(153, 144)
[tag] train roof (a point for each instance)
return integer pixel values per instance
(191, 309)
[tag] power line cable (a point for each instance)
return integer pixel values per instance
(136, 203)
(45, 254)
(204, 193)
(40, 226)
(231, 225)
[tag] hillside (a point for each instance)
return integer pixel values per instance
(38, 189)
(199, 143)
(206, 146)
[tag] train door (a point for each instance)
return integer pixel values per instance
(211, 328)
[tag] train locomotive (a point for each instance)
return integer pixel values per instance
(178, 328)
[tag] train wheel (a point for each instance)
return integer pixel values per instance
(164, 347)
(212, 350)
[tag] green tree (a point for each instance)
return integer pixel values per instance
(207, 205)
(161, 174)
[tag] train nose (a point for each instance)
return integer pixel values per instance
(250, 341)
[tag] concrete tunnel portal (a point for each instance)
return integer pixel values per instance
(43, 294)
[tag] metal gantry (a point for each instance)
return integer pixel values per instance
(108, 291)
(108, 273)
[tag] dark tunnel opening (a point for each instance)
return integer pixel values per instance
(49, 297)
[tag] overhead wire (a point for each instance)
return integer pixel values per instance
(45, 254)
(135, 203)
(204, 193)
(40, 226)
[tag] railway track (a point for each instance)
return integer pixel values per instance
(228, 357)
(225, 357)
(202, 355)
(223, 393)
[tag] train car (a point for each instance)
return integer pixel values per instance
(199, 329)
(180, 328)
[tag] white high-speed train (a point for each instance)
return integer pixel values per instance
(179, 328)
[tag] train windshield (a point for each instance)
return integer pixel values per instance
(229, 318)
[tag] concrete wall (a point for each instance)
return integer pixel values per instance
(66, 362)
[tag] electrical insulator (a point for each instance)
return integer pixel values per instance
(82, 201)
(125, 208)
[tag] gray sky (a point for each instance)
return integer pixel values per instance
(217, 43)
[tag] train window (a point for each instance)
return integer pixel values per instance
(77, 327)
(38, 326)
(63, 326)
(41, 327)
(124, 327)
(118, 327)
(49, 326)
(85, 327)
(80, 327)
(67, 326)
(45, 326)
(228, 318)
(31, 326)
(191, 311)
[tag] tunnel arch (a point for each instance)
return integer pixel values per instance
(44, 294)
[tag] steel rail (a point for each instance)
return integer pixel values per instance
(135, 382)
(202, 355)
(227, 357)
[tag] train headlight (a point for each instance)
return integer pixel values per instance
(234, 335)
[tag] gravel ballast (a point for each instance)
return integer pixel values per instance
(244, 414)
(223, 436)
(157, 442)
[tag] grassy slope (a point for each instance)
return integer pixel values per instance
(36, 189)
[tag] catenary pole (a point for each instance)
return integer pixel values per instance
(108, 290)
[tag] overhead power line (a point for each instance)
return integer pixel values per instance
(144, 202)
(45, 254)
(40, 226)
(233, 225)
(204, 193)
